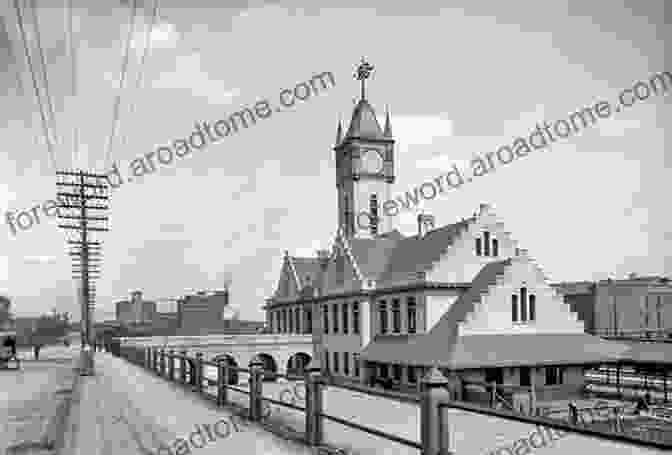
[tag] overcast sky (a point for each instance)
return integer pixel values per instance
(460, 77)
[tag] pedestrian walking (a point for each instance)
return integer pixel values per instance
(36, 351)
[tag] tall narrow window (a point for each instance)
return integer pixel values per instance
(495, 247)
(374, 214)
(346, 363)
(334, 317)
(532, 307)
(523, 304)
(355, 364)
(486, 243)
(325, 319)
(382, 312)
(344, 311)
(340, 269)
(514, 307)
(383, 370)
(479, 249)
(297, 320)
(396, 372)
(326, 360)
(396, 316)
(347, 215)
(525, 377)
(495, 375)
(411, 314)
(284, 320)
(336, 362)
(355, 318)
(290, 315)
(411, 374)
(309, 321)
(659, 315)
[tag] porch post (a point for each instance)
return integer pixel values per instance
(313, 403)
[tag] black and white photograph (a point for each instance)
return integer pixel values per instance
(295, 227)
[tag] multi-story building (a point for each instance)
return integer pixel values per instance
(136, 310)
(634, 304)
(202, 312)
(464, 297)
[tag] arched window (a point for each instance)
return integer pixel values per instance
(486, 243)
(382, 312)
(514, 307)
(495, 247)
(523, 304)
(526, 310)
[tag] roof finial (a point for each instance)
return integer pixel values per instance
(339, 133)
(363, 73)
(388, 124)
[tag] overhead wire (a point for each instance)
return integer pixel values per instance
(45, 128)
(42, 69)
(122, 79)
(72, 50)
(147, 49)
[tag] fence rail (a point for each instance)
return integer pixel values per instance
(433, 400)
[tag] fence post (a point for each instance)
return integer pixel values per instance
(171, 365)
(183, 366)
(148, 357)
(256, 376)
(313, 403)
(199, 372)
(222, 382)
(433, 419)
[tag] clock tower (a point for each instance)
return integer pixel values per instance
(364, 168)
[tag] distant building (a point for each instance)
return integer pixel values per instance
(202, 311)
(135, 311)
(633, 304)
(5, 313)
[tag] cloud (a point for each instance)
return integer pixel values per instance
(190, 75)
(421, 130)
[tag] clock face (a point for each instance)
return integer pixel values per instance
(371, 161)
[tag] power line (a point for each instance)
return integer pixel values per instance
(45, 129)
(69, 36)
(122, 79)
(146, 51)
(43, 69)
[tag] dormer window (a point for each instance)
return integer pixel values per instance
(486, 245)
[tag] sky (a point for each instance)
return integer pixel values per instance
(459, 77)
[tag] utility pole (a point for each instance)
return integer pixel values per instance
(86, 253)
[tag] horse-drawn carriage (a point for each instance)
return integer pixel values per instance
(8, 358)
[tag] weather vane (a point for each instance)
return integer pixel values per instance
(363, 73)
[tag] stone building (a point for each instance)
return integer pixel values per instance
(464, 297)
(136, 310)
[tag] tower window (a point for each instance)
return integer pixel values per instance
(355, 364)
(514, 307)
(373, 202)
(495, 247)
(479, 249)
(523, 304)
(532, 307)
(336, 362)
(326, 360)
(486, 243)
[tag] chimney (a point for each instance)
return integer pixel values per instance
(425, 224)
(483, 208)
(521, 252)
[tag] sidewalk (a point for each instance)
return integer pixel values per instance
(123, 409)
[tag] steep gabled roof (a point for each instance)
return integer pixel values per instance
(443, 347)
(305, 267)
(417, 254)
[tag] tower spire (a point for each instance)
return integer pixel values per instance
(339, 133)
(363, 73)
(388, 124)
